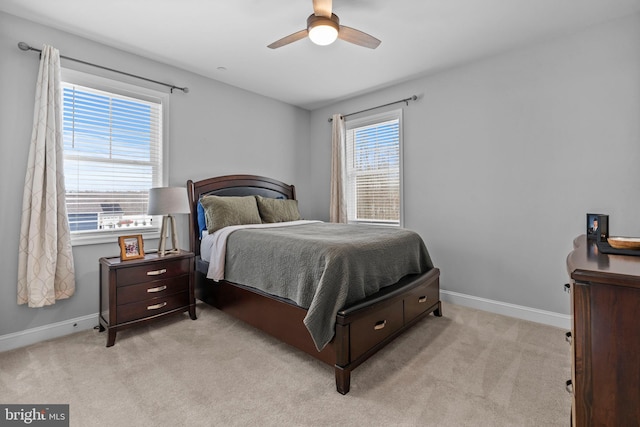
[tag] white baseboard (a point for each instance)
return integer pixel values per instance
(47, 332)
(55, 330)
(518, 311)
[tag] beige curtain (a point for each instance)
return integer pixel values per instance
(45, 262)
(338, 205)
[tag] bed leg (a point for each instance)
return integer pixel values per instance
(343, 380)
(438, 311)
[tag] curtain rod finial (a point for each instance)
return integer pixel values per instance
(24, 46)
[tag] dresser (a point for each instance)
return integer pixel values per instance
(143, 290)
(605, 336)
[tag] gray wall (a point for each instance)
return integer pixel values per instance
(215, 129)
(504, 157)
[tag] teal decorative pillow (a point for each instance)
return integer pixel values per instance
(221, 212)
(277, 210)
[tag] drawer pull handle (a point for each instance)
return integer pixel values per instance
(567, 337)
(422, 299)
(569, 386)
(158, 289)
(156, 306)
(156, 272)
(380, 325)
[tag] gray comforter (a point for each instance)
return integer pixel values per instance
(323, 267)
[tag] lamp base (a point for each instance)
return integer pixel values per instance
(163, 236)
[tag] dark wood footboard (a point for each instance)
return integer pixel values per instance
(368, 326)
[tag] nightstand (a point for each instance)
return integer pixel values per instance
(143, 290)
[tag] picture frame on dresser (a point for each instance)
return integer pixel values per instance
(131, 247)
(597, 227)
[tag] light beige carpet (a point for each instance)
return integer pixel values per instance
(468, 368)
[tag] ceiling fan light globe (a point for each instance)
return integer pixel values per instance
(323, 34)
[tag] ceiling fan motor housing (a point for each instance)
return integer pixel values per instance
(314, 21)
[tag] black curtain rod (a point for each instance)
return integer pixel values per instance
(24, 46)
(406, 101)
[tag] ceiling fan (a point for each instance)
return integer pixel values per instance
(323, 27)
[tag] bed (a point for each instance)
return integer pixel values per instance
(359, 328)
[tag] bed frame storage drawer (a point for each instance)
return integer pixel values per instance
(373, 328)
(420, 300)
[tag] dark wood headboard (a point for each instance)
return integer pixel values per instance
(231, 185)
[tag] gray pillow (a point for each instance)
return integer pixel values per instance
(278, 210)
(223, 211)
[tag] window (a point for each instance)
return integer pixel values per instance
(113, 146)
(374, 169)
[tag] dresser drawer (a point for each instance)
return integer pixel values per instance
(157, 270)
(374, 328)
(155, 289)
(151, 307)
(420, 299)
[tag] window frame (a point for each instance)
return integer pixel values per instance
(117, 87)
(370, 120)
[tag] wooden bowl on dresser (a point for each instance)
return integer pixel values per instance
(624, 242)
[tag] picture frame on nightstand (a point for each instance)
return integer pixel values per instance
(597, 227)
(131, 247)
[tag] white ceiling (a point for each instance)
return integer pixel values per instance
(418, 37)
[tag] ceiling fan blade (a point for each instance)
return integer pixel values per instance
(354, 36)
(322, 8)
(289, 39)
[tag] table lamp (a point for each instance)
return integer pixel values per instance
(167, 201)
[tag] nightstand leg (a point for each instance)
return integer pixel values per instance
(111, 337)
(192, 312)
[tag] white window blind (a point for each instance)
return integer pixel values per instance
(374, 169)
(112, 157)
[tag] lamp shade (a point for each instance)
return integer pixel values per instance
(168, 200)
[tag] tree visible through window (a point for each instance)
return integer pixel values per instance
(374, 169)
(112, 157)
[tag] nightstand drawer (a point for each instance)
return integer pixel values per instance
(419, 300)
(158, 270)
(152, 307)
(374, 328)
(155, 289)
